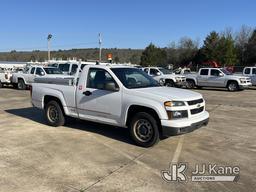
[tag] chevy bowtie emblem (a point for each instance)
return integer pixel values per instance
(198, 105)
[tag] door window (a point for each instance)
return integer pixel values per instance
(64, 67)
(254, 71)
(39, 71)
(215, 72)
(74, 69)
(153, 72)
(32, 70)
(204, 72)
(98, 78)
(247, 71)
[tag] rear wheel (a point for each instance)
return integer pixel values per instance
(21, 84)
(1, 85)
(233, 86)
(54, 114)
(144, 129)
(191, 84)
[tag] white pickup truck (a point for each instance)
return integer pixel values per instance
(125, 97)
(27, 77)
(166, 77)
(250, 72)
(217, 77)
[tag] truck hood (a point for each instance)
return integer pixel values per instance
(168, 93)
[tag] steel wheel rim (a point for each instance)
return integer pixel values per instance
(143, 130)
(53, 114)
(232, 86)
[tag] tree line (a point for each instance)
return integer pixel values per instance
(226, 48)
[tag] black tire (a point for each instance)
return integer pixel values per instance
(144, 129)
(1, 85)
(233, 86)
(21, 84)
(169, 83)
(190, 84)
(54, 114)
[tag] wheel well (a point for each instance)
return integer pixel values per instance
(19, 78)
(230, 81)
(191, 80)
(137, 108)
(49, 98)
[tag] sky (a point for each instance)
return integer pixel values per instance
(25, 24)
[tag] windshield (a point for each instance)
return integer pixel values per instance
(134, 78)
(165, 71)
(226, 72)
(53, 71)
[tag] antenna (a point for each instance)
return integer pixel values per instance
(100, 44)
(49, 37)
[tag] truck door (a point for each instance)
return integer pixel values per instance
(216, 79)
(97, 102)
(203, 77)
(31, 75)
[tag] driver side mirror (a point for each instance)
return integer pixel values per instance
(221, 75)
(42, 73)
(111, 86)
(158, 74)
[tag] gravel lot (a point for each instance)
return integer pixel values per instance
(84, 156)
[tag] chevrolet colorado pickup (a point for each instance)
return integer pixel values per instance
(217, 77)
(124, 97)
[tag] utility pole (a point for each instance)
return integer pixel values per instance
(49, 37)
(100, 47)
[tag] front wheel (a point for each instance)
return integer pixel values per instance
(191, 84)
(144, 130)
(169, 84)
(1, 85)
(54, 114)
(21, 84)
(233, 86)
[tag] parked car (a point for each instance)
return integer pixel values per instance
(5, 78)
(250, 72)
(217, 77)
(124, 97)
(166, 77)
(26, 78)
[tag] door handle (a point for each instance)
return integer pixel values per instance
(87, 93)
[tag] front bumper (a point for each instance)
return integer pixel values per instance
(245, 86)
(176, 127)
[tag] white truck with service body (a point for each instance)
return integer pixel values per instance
(250, 72)
(27, 77)
(166, 77)
(217, 77)
(125, 97)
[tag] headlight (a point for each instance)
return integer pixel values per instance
(174, 104)
(177, 114)
(242, 80)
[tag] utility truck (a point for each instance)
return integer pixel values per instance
(124, 97)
